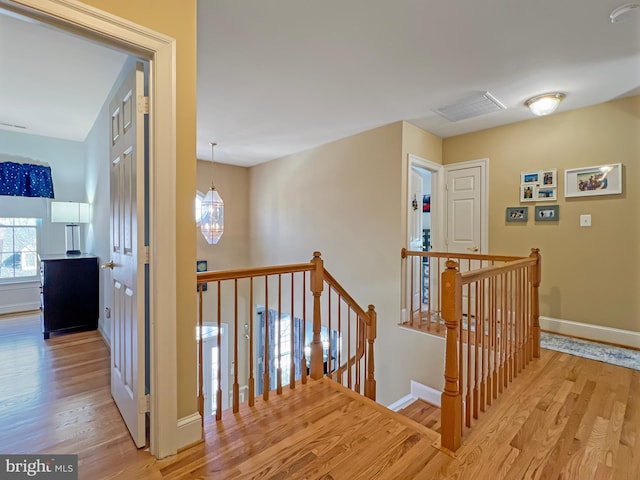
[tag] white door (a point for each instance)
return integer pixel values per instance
(127, 220)
(464, 210)
(415, 234)
(210, 357)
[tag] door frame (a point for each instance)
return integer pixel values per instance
(483, 163)
(160, 51)
(437, 198)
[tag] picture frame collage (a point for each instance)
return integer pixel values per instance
(539, 186)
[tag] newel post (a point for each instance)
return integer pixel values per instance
(451, 404)
(370, 383)
(536, 277)
(317, 284)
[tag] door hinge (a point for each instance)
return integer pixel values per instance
(143, 105)
(147, 256)
(147, 403)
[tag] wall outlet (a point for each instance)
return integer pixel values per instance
(585, 220)
(107, 312)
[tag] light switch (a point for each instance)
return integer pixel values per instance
(585, 220)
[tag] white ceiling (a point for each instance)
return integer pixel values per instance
(280, 76)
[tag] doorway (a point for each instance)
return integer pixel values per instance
(159, 51)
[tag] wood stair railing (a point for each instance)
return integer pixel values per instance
(349, 331)
(491, 315)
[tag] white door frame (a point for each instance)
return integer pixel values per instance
(160, 51)
(437, 199)
(483, 163)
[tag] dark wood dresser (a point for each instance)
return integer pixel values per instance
(69, 293)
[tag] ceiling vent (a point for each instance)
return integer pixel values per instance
(478, 104)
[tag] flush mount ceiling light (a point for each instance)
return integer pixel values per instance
(624, 12)
(544, 104)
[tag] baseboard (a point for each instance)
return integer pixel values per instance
(403, 402)
(189, 430)
(19, 308)
(426, 393)
(597, 333)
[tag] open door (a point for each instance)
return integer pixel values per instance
(127, 157)
(416, 239)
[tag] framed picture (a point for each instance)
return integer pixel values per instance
(426, 203)
(527, 193)
(549, 178)
(530, 178)
(546, 194)
(517, 214)
(547, 213)
(201, 266)
(597, 180)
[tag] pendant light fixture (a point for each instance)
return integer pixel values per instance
(212, 212)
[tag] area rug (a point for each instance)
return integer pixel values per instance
(623, 357)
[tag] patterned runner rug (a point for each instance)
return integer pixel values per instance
(623, 357)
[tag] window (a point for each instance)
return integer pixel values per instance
(198, 205)
(18, 248)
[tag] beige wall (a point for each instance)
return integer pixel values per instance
(177, 19)
(590, 275)
(345, 200)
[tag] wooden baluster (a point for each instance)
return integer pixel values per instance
(266, 381)
(348, 345)
(510, 331)
(339, 364)
(292, 356)
(329, 310)
(421, 293)
(200, 356)
(429, 282)
(251, 380)
(317, 284)
(370, 384)
(359, 342)
(469, 339)
(304, 328)
(439, 297)
(451, 400)
(236, 385)
(535, 301)
(504, 363)
(483, 353)
(279, 339)
(492, 378)
(476, 343)
(219, 369)
(412, 262)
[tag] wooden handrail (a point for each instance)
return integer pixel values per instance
(356, 339)
(466, 256)
(486, 272)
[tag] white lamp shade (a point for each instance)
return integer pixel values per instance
(69, 212)
(212, 217)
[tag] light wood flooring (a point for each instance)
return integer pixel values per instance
(564, 418)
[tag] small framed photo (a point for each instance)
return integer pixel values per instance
(547, 213)
(546, 194)
(597, 180)
(517, 214)
(549, 178)
(201, 266)
(527, 193)
(530, 178)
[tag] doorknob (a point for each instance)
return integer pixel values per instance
(473, 249)
(108, 265)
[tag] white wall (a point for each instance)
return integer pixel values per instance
(66, 159)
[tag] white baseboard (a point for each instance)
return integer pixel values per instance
(403, 402)
(19, 307)
(189, 430)
(426, 393)
(597, 333)
(418, 391)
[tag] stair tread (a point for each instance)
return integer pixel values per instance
(424, 413)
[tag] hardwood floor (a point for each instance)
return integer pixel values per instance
(564, 418)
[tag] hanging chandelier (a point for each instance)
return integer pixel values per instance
(212, 213)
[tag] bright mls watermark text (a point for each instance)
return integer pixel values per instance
(45, 466)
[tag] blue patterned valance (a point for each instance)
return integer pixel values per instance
(25, 180)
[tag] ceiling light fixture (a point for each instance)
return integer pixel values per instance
(212, 213)
(624, 12)
(544, 104)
